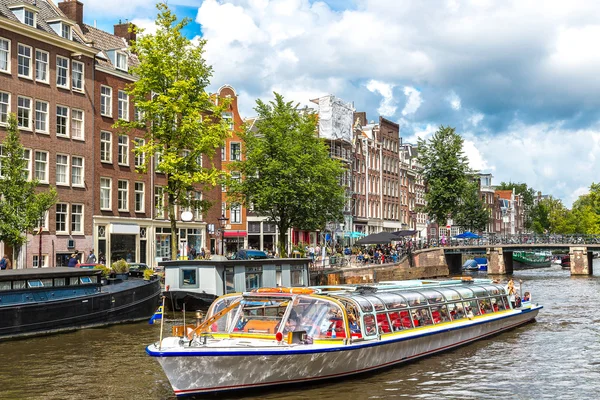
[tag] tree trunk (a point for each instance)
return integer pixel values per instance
(173, 220)
(282, 242)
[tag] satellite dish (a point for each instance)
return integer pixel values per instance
(186, 216)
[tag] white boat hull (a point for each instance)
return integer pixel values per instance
(235, 365)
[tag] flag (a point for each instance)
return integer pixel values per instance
(157, 315)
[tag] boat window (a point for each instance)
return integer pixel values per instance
(414, 298)
(189, 277)
(422, 316)
(499, 303)
(59, 281)
(73, 280)
(369, 324)
(466, 293)
(392, 301)
(229, 280)
(364, 304)
(297, 275)
(260, 315)
(32, 283)
(449, 294)
(432, 296)
(85, 279)
(456, 310)
(18, 285)
(440, 314)
(473, 307)
(253, 277)
(383, 323)
(5, 285)
(492, 290)
(317, 317)
(47, 282)
(479, 291)
(377, 304)
(400, 320)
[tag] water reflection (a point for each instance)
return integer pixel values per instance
(555, 357)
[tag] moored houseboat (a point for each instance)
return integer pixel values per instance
(275, 336)
(197, 283)
(38, 301)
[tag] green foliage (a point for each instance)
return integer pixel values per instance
(180, 118)
(148, 274)
(288, 174)
(445, 172)
(106, 270)
(528, 195)
(550, 216)
(473, 214)
(22, 203)
(120, 267)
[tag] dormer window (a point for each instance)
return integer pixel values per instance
(121, 61)
(66, 31)
(25, 13)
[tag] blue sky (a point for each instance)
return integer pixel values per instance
(517, 80)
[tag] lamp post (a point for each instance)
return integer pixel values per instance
(222, 221)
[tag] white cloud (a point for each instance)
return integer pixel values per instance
(476, 159)
(413, 102)
(387, 106)
(146, 24)
(454, 101)
(476, 118)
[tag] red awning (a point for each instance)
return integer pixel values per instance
(234, 234)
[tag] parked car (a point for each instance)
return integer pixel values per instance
(137, 269)
(249, 254)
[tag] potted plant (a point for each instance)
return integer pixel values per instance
(106, 271)
(148, 273)
(121, 269)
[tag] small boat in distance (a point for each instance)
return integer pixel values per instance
(276, 336)
(37, 301)
(532, 259)
(470, 265)
(482, 263)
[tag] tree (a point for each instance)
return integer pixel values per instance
(550, 216)
(22, 205)
(180, 119)
(473, 214)
(288, 174)
(445, 171)
(528, 195)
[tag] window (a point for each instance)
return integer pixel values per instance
(4, 55)
(77, 171)
(228, 118)
(105, 147)
(66, 31)
(28, 17)
(4, 107)
(24, 112)
(76, 218)
(44, 264)
(123, 150)
(27, 168)
(139, 197)
(159, 200)
(77, 76)
(105, 193)
(62, 121)
(62, 210)
(123, 105)
(3, 156)
(140, 158)
(62, 72)
(41, 166)
(41, 66)
(77, 124)
(235, 176)
(62, 169)
(123, 195)
(138, 115)
(106, 101)
(122, 61)
(235, 151)
(198, 210)
(41, 116)
(236, 213)
(24, 61)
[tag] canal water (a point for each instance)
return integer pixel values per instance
(558, 356)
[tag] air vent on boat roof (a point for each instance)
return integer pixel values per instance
(366, 289)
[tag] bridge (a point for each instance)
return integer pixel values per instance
(500, 255)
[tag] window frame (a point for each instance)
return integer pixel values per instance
(67, 170)
(105, 188)
(123, 195)
(232, 156)
(29, 127)
(75, 88)
(65, 231)
(33, 17)
(5, 105)
(81, 121)
(142, 194)
(8, 55)
(81, 218)
(119, 55)
(81, 167)
(67, 124)
(30, 58)
(29, 161)
(46, 121)
(108, 151)
(123, 105)
(123, 150)
(139, 157)
(67, 76)
(46, 63)
(46, 169)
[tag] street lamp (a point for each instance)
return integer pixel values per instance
(222, 221)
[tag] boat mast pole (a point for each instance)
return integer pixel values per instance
(162, 324)
(184, 326)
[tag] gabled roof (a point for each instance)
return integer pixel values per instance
(504, 194)
(105, 42)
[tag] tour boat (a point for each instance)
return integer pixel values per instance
(276, 336)
(35, 301)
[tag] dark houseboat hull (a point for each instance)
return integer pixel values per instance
(175, 299)
(130, 301)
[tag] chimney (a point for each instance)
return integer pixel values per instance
(126, 31)
(73, 9)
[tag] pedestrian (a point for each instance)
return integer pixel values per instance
(102, 259)
(4, 262)
(202, 253)
(193, 253)
(73, 261)
(91, 258)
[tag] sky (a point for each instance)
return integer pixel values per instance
(518, 79)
